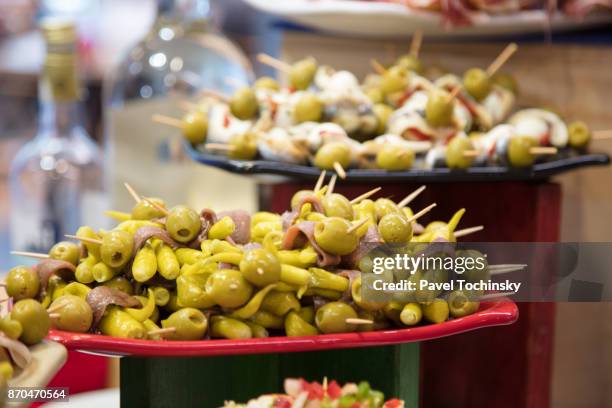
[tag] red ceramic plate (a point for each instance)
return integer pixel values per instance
(490, 314)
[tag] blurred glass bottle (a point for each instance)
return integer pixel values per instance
(56, 180)
(181, 55)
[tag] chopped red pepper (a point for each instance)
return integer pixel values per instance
(282, 402)
(393, 403)
(226, 120)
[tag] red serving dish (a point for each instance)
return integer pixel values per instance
(502, 312)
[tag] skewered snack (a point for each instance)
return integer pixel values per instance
(300, 393)
(396, 120)
(190, 276)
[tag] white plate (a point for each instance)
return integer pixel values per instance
(380, 19)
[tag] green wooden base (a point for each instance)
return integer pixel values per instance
(205, 382)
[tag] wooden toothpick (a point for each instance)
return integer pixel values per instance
(408, 199)
(415, 44)
(355, 320)
(422, 212)
(365, 195)
(468, 231)
(320, 181)
(167, 120)
(35, 255)
(542, 150)
(275, 63)
(355, 227)
(378, 67)
(340, 170)
(132, 192)
(501, 59)
(85, 239)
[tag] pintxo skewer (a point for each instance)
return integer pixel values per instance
(35, 255)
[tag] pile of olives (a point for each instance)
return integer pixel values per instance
(175, 274)
(383, 100)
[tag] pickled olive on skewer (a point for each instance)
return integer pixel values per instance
(308, 108)
(456, 153)
(22, 283)
(331, 318)
(302, 73)
(243, 104)
(183, 224)
(74, 314)
(11, 328)
(410, 63)
(116, 248)
(579, 134)
(384, 206)
(518, 151)
(439, 109)
(333, 152)
(395, 79)
(337, 205)
(477, 83)
(195, 127)
(66, 251)
(260, 267)
(395, 158)
(34, 320)
(395, 228)
(120, 283)
(144, 210)
(228, 288)
(188, 324)
(243, 146)
(334, 236)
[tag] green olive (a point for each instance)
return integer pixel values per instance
(384, 206)
(121, 283)
(266, 82)
(395, 228)
(183, 224)
(299, 196)
(228, 288)
(579, 134)
(309, 108)
(34, 320)
(195, 127)
(11, 328)
(74, 314)
(364, 296)
(439, 109)
(455, 153)
(302, 73)
(116, 248)
(66, 251)
(22, 283)
(243, 104)
(332, 235)
(519, 153)
(375, 95)
(260, 267)
(143, 210)
(331, 318)
(382, 112)
(410, 63)
(436, 311)
(460, 304)
(337, 205)
(331, 153)
(506, 81)
(395, 158)
(244, 146)
(395, 79)
(477, 83)
(189, 324)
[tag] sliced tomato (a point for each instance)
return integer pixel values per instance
(282, 402)
(333, 390)
(393, 403)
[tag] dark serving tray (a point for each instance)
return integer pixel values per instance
(564, 162)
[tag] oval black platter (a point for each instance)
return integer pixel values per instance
(561, 163)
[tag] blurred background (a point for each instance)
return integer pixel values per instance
(137, 58)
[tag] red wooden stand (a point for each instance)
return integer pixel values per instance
(503, 366)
